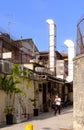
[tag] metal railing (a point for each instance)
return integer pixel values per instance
(80, 37)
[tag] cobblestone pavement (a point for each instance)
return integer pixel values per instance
(47, 121)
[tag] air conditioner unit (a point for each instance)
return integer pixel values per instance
(5, 67)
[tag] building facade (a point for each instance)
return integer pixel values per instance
(25, 53)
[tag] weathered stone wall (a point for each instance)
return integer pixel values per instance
(2, 106)
(78, 93)
(22, 103)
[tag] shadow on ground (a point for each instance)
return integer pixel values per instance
(45, 115)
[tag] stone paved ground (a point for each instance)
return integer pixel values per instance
(47, 121)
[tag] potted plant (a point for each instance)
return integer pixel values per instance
(35, 100)
(9, 115)
(35, 110)
(9, 84)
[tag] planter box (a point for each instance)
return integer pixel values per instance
(36, 112)
(9, 119)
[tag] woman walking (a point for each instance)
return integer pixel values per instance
(57, 104)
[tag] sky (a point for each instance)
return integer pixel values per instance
(27, 19)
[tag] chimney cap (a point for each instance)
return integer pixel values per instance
(69, 43)
(49, 21)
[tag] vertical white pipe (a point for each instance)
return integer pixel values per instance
(70, 46)
(52, 46)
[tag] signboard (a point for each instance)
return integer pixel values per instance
(7, 55)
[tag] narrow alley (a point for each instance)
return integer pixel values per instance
(47, 121)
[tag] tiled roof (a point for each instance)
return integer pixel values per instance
(64, 54)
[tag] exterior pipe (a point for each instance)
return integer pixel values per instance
(52, 46)
(70, 45)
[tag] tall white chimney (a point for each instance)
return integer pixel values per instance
(70, 46)
(52, 42)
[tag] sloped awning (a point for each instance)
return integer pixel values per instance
(52, 79)
(56, 80)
